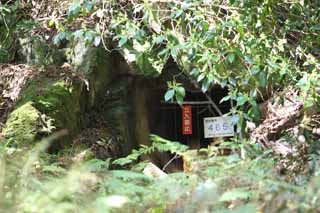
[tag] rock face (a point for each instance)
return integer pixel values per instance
(22, 125)
(95, 92)
(12, 79)
(45, 105)
(60, 98)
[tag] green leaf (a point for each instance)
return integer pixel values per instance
(205, 85)
(59, 37)
(254, 70)
(181, 91)
(316, 27)
(226, 98)
(51, 23)
(248, 59)
(241, 100)
(263, 79)
(194, 72)
(272, 64)
(74, 9)
(89, 5)
(186, 5)
(122, 41)
(210, 77)
(179, 99)
(253, 93)
(174, 53)
(254, 110)
(231, 58)
(191, 53)
(169, 95)
(201, 76)
(78, 34)
(159, 39)
(89, 36)
(177, 14)
(235, 119)
(96, 165)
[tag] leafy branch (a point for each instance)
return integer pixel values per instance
(159, 144)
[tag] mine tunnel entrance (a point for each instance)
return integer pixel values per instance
(169, 118)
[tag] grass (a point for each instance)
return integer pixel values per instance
(33, 181)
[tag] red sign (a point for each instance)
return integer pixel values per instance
(186, 120)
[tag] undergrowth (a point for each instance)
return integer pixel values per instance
(34, 181)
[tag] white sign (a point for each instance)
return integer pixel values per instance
(218, 127)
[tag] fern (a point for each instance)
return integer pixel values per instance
(160, 144)
(54, 169)
(164, 145)
(96, 165)
(236, 193)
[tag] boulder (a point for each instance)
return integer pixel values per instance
(60, 97)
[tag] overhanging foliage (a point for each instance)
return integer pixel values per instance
(254, 48)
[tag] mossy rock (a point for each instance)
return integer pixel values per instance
(44, 106)
(97, 67)
(22, 125)
(60, 105)
(56, 99)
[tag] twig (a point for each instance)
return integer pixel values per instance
(170, 161)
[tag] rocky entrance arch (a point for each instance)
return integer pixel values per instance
(97, 95)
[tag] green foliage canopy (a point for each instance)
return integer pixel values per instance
(252, 47)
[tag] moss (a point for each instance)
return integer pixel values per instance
(22, 125)
(99, 75)
(56, 101)
(63, 105)
(48, 95)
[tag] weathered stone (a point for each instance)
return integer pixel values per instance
(153, 171)
(95, 64)
(22, 125)
(36, 51)
(97, 81)
(56, 104)
(45, 105)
